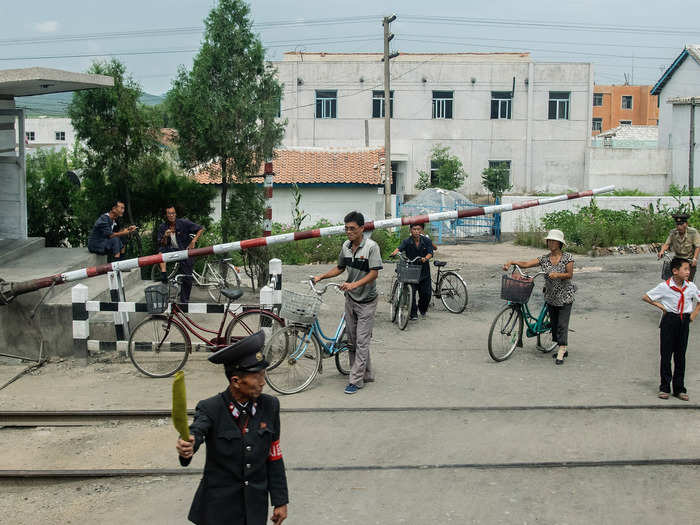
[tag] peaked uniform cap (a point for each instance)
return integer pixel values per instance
(680, 218)
(246, 354)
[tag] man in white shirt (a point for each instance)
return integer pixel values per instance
(675, 298)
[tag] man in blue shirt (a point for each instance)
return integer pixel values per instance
(103, 240)
(175, 235)
(418, 245)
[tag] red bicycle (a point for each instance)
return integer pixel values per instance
(160, 344)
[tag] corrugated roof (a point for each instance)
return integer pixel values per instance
(690, 50)
(314, 166)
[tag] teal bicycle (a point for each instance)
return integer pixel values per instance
(296, 352)
(506, 332)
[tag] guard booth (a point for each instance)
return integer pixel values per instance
(13, 178)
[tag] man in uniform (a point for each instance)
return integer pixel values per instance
(362, 258)
(684, 241)
(419, 245)
(241, 428)
(175, 235)
(103, 240)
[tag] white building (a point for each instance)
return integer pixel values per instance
(487, 107)
(679, 93)
(48, 132)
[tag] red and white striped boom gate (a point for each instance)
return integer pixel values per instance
(10, 290)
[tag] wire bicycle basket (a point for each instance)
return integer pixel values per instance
(516, 290)
(666, 272)
(156, 298)
(408, 273)
(299, 308)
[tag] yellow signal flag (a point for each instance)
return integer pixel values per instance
(179, 411)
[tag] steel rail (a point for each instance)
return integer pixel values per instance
(8, 474)
(10, 290)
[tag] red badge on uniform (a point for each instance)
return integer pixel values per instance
(275, 451)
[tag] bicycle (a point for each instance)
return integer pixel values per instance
(666, 272)
(506, 332)
(216, 276)
(160, 345)
(401, 291)
(296, 352)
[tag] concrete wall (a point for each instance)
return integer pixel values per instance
(331, 202)
(680, 140)
(646, 170)
(524, 219)
(13, 196)
(685, 82)
(544, 154)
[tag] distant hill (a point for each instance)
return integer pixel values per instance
(56, 104)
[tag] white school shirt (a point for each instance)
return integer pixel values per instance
(669, 298)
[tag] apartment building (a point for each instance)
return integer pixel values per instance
(623, 105)
(48, 132)
(489, 108)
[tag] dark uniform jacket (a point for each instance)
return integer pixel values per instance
(183, 229)
(240, 469)
(99, 235)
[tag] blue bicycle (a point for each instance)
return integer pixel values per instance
(296, 352)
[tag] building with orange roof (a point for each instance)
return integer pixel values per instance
(623, 105)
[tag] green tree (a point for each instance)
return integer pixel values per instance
(449, 175)
(496, 180)
(51, 197)
(225, 107)
(117, 132)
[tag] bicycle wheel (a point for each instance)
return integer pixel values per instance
(250, 322)
(342, 356)
(393, 303)
(298, 358)
(171, 270)
(545, 343)
(159, 347)
(506, 331)
(217, 276)
(453, 292)
(404, 305)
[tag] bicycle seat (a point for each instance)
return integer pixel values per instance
(440, 263)
(232, 293)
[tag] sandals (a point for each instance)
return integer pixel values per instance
(682, 396)
(663, 395)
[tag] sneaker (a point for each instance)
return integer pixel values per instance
(423, 314)
(351, 389)
(413, 318)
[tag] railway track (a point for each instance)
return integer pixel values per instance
(32, 418)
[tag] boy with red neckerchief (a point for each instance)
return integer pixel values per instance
(674, 297)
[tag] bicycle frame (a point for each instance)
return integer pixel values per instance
(191, 327)
(535, 325)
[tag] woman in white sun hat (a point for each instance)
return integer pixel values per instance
(559, 288)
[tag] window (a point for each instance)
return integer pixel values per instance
(559, 105)
(442, 104)
(627, 102)
(434, 167)
(326, 104)
(625, 123)
(30, 135)
(60, 135)
(597, 99)
(378, 104)
(597, 124)
(500, 104)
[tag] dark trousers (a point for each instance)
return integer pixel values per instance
(674, 340)
(186, 268)
(559, 318)
(424, 291)
(107, 246)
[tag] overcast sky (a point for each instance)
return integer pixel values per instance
(638, 38)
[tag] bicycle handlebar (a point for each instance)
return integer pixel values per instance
(320, 291)
(404, 258)
(519, 270)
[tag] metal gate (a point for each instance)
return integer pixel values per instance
(469, 229)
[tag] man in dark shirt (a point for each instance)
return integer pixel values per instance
(418, 245)
(175, 235)
(103, 240)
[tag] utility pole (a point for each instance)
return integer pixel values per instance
(388, 36)
(691, 141)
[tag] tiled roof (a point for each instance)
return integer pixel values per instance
(626, 132)
(167, 136)
(314, 166)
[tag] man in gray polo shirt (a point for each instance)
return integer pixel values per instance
(363, 261)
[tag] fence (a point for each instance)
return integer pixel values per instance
(467, 229)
